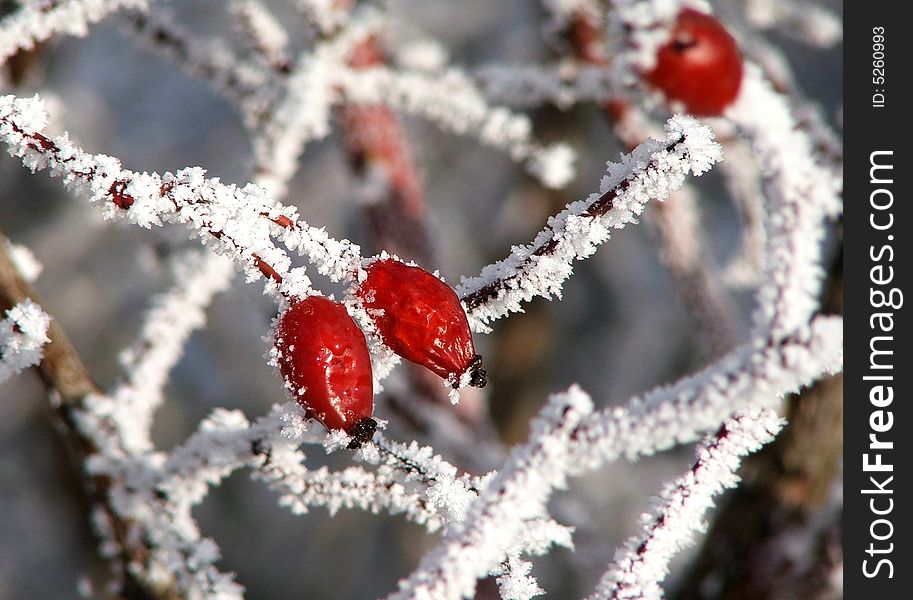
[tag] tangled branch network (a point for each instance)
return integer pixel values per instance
(286, 94)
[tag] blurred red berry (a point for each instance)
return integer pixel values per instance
(324, 360)
(421, 319)
(700, 66)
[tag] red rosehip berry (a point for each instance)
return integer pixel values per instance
(700, 66)
(421, 319)
(324, 360)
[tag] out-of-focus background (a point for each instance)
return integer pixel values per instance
(621, 327)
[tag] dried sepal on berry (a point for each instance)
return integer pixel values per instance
(323, 358)
(421, 319)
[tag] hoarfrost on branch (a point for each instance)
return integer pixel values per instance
(492, 524)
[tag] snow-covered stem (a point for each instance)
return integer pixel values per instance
(85, 416)
(801, 194)
(238, 222)
(173, 316)
(263, 33)
(476, 546)
(250, 87)
(540, 268)
(35, 22)
(451, 100)
(756, 374)
(23, 334)
(678, 511)
(327, 16)
(806, 22)
(303, 111)
(775, 65)
(526, 86)
(567, 439)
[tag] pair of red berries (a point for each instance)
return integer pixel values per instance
(700, 66)
(323, 356)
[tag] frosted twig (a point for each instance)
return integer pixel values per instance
(776, 67)
(527, 86)
(451, 100)
(303, 113)
(248, 86)
(23, 334)
(263, 33)
(679, 234)
(86, 417)
(238, 222)
(568, 440)
(35, 22)
(652, 171)
(474, 547)
(678, 511)
(173, 316)
(327, 16)
(806, 22)
(801, 195)
(755, 374)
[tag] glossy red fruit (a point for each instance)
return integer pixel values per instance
(420, 318)
(324, 359)
(700, 66)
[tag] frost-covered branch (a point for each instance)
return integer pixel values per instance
(676, 221)
(35, 22)
(677, 513)
(238, 222)
(249, 87)
(750, 376)
(474, 547)
(92, 428)
(801, 193)
(263, 33)
(451, 100)
(805, 22)
(23, 333)
(173, 316)
(652, 171)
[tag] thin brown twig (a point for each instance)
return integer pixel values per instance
(69, 381)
